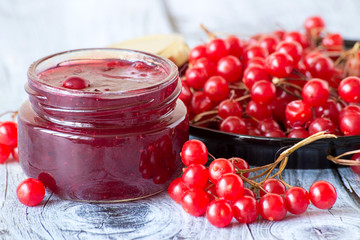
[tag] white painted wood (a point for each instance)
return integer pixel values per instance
(33, 29)
(159, 217)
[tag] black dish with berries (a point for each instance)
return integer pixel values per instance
(252, 98)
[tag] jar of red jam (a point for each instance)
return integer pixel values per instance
(102, 124)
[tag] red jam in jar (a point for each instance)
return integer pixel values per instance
(103, 124)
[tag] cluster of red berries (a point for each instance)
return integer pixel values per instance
(31, 191)
(281, 84)
(8, 141)
(219, 191)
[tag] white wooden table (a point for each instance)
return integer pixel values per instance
(33, 29)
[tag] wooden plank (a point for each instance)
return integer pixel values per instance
(159, 217)
(316, 223)
(351, 182)
(3, 198)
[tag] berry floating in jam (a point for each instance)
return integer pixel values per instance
(75, 83)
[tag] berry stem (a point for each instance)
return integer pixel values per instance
(281, 169)
(286, 184)
(260, 175)
(239, 86)
(255, 169)
(210, 34)
(284, 82)
(205, 121)
(251, 182)
(346, 162)
(212, 156)
(232, 95)
(347, 53)
(208, 187)
(283, 160)
(242, 98)
(300, 74)
(283, 87)
(14, 113)
(306, 141)
(203, 114)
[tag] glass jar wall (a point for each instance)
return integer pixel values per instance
(116, 136)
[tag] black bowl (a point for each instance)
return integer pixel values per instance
(263, 150)
(259, 151)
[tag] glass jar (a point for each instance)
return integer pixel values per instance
(103, 145)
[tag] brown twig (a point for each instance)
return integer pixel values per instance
(345, 54)
(283, 82)
(213, 119)
(211, 35)
(281, 161)
(239, 99)
(203, 114)
(346, 162)
(290, 92)
(14, 113)
(212, 156)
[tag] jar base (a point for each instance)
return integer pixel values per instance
(112, 201)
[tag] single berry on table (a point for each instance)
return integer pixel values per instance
(195, 202)
(219, 213)
(272, 207)
(296, 200)
(30, 192)
(177, 189)
(246, 209)
(322, 194)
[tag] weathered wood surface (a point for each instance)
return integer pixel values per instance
(33, 29)
(160, 218)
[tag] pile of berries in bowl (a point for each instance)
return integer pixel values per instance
(274, 89)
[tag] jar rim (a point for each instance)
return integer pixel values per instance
(169, 65)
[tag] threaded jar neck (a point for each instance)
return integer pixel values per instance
(138, 103)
